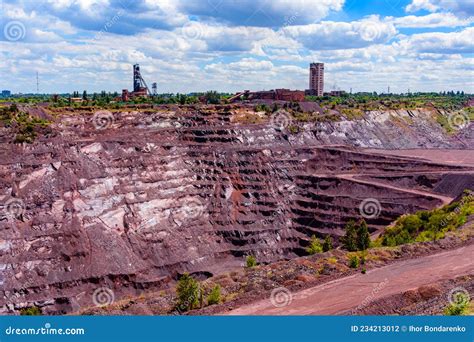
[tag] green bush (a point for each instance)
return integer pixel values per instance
(327, 244)
(262, 108)
(293, 129)
(187, 293)
(353, 261)
(215, 296)
(459, 307)
(429, 225)
(31, 311)
(251, 261)
(314, 246)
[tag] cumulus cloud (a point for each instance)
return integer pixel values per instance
(460, 7)
(224, 38)
(430, 20)
(329, 35)
(244, 65)
(271, 13)
(126, 17)
(440, 42)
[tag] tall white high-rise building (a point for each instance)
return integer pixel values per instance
(316, 78)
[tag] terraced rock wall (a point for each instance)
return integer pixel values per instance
(131, 201)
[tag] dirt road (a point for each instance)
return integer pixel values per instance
(351, 177)
(351, 292)
(446, 156)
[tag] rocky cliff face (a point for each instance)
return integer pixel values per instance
(130, 200)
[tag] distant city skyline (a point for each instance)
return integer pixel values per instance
(228, 46)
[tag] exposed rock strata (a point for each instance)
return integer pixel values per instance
(156, 194)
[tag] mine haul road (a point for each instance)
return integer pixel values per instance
(346, 295)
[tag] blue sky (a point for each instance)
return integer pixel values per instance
(191, 45)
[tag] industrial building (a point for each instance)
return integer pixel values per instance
(274, 94)
(316, 88)
(140, 87)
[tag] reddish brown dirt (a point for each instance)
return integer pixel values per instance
(444, 199)
(351, 292)
(453, 157)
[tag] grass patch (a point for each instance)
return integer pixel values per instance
(31, 311)
(25, 126)
(352, 113)
(249, 118)
(443, 121)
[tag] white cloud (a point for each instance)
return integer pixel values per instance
(417, 5)
(245, 65)
(229, 54)
(440, 42)
(329, 35)
(459, 7)
(263, 12)
(430, 20)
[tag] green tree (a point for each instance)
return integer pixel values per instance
(251, 261)
(349, 240)
(215, 296)
(84, 95)
(363, 237)
(213, 97)
(327, 244)
(182, 99)
(187, 292)
(314, 246)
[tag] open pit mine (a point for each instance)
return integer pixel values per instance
(131, 199)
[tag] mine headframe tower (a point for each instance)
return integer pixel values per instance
(139, 84)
